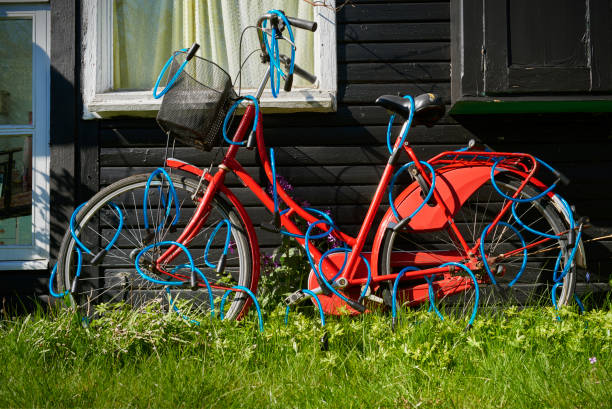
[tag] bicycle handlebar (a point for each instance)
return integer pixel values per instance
(279, 24)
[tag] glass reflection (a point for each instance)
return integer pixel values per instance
(15, 71)
(16, 190)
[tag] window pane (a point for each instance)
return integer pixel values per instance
(145, 34)
(16, 189)
(15, 71)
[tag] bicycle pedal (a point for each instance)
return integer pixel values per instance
(324, 342)
(295, 298)
(375, 298)
(270, 226)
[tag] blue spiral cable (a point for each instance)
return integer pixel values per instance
(274, 192)
(526, 200)
(237, 288)
(163, 243)
(395, 287)
(109, 244)
(484, 257)
(554, 299)
(228, 236)
(72, 231)
(432, 296)
(274, 52)
(54, 272)
(319, 275)
(176, 309)
(390, 125)
(51, 279)
(431, 293)
(425, 200)
(346, 251)
(317, 301)
(331, 226)
(230, 112)
(173, 79)
(568, 263)
(210, 294)
(161, 171)
(476, 288)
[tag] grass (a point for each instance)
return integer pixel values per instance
(125, 359)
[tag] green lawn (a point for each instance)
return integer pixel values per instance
(523, 359)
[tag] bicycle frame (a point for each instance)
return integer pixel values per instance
(353, 272)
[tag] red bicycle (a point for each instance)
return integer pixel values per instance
(470, 229)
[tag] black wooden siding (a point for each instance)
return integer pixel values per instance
(335, 160)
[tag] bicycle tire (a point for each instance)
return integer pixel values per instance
(116, 279)
(533, 284)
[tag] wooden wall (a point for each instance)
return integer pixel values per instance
(334, 160)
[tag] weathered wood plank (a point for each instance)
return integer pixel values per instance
(368, 13)
(393, 72)
(377, 32)
(336, 136)
(394, 52)
(63, 118)
(298, 156)
(367, 93)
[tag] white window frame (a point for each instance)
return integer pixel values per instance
(35, 256)
(97, 70)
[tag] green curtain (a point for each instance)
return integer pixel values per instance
(146, 32)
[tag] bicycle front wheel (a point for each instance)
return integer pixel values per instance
(112, 224)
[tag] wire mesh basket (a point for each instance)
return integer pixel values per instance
(195, 105)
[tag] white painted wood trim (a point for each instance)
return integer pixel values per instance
(35, 255)
(97, 70)
(326, 66)
(142, 103)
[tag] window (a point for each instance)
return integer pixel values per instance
(24, 137)
(126, 42)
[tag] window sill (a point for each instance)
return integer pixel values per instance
(142, 103)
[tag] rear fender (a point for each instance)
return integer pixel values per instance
(454, 185)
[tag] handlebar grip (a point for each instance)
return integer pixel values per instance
(564, 179)
(194, 48)
(303, 24)
(289, 82)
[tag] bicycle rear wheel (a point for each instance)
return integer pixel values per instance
(522, 263)
(115, 279)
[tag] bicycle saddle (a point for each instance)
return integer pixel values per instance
(429, 108)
